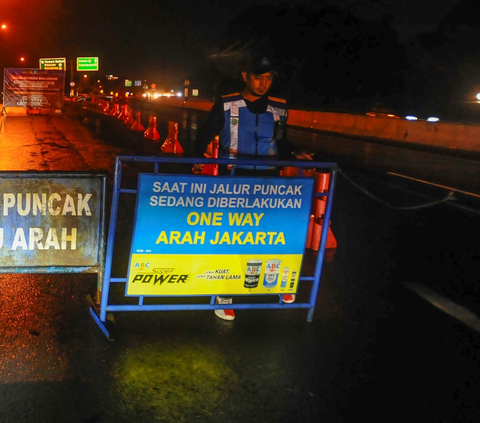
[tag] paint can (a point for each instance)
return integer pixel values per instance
(272, 270)
(252, 275)
(293, 278)
(284, 277)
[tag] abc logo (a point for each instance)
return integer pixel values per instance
(142, 265)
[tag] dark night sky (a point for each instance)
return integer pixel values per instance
(167, 39)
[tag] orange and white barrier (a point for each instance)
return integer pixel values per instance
(151, 132)
(171, 144)
(137, 125)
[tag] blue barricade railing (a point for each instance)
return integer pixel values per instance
(171, 166)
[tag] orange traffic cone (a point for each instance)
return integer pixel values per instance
(171, 144)
(137, 125)
(129, 119)
(106, 109)
(212, 168)
(151, 132)
(318, 208)
(116, 110)
(315, 227)
(310, 231)
(321, 181)
(289, 171)
(123, 112)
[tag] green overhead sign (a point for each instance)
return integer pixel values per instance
(87, 63)
(53, 64)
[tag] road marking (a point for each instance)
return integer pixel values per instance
(435, 185)
(460, 313)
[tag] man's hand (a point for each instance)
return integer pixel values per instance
(198, 167)
(302, 155)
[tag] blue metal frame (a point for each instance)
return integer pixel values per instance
(101, 316)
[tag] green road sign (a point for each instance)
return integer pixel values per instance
(87, 63)
(53, 64)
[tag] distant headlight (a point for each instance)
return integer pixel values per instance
(433, 119)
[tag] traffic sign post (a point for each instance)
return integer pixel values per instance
(53, 64)
(87, 64)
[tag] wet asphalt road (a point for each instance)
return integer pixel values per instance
(375, 350)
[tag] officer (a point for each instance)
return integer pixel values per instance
(250, 125)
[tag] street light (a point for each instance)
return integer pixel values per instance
(9, 54)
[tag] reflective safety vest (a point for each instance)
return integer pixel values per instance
(248, 134)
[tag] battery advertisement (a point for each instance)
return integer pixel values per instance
(36, 88)
(206, 235)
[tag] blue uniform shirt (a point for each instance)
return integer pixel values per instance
(246, 129)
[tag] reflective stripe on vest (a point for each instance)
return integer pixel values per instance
(234, 107)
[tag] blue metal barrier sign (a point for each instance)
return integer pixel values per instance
(204, 235)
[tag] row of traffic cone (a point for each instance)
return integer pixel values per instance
(125, 114)
(316, 223)
(171, 144)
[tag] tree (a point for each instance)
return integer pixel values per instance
(327, 56)
(445, 76)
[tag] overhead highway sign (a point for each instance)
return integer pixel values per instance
(53, 63)
(87, 64)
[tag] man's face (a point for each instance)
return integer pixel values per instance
(257, 85)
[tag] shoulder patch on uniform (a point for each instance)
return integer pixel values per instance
(278, 100)
(229, 96)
